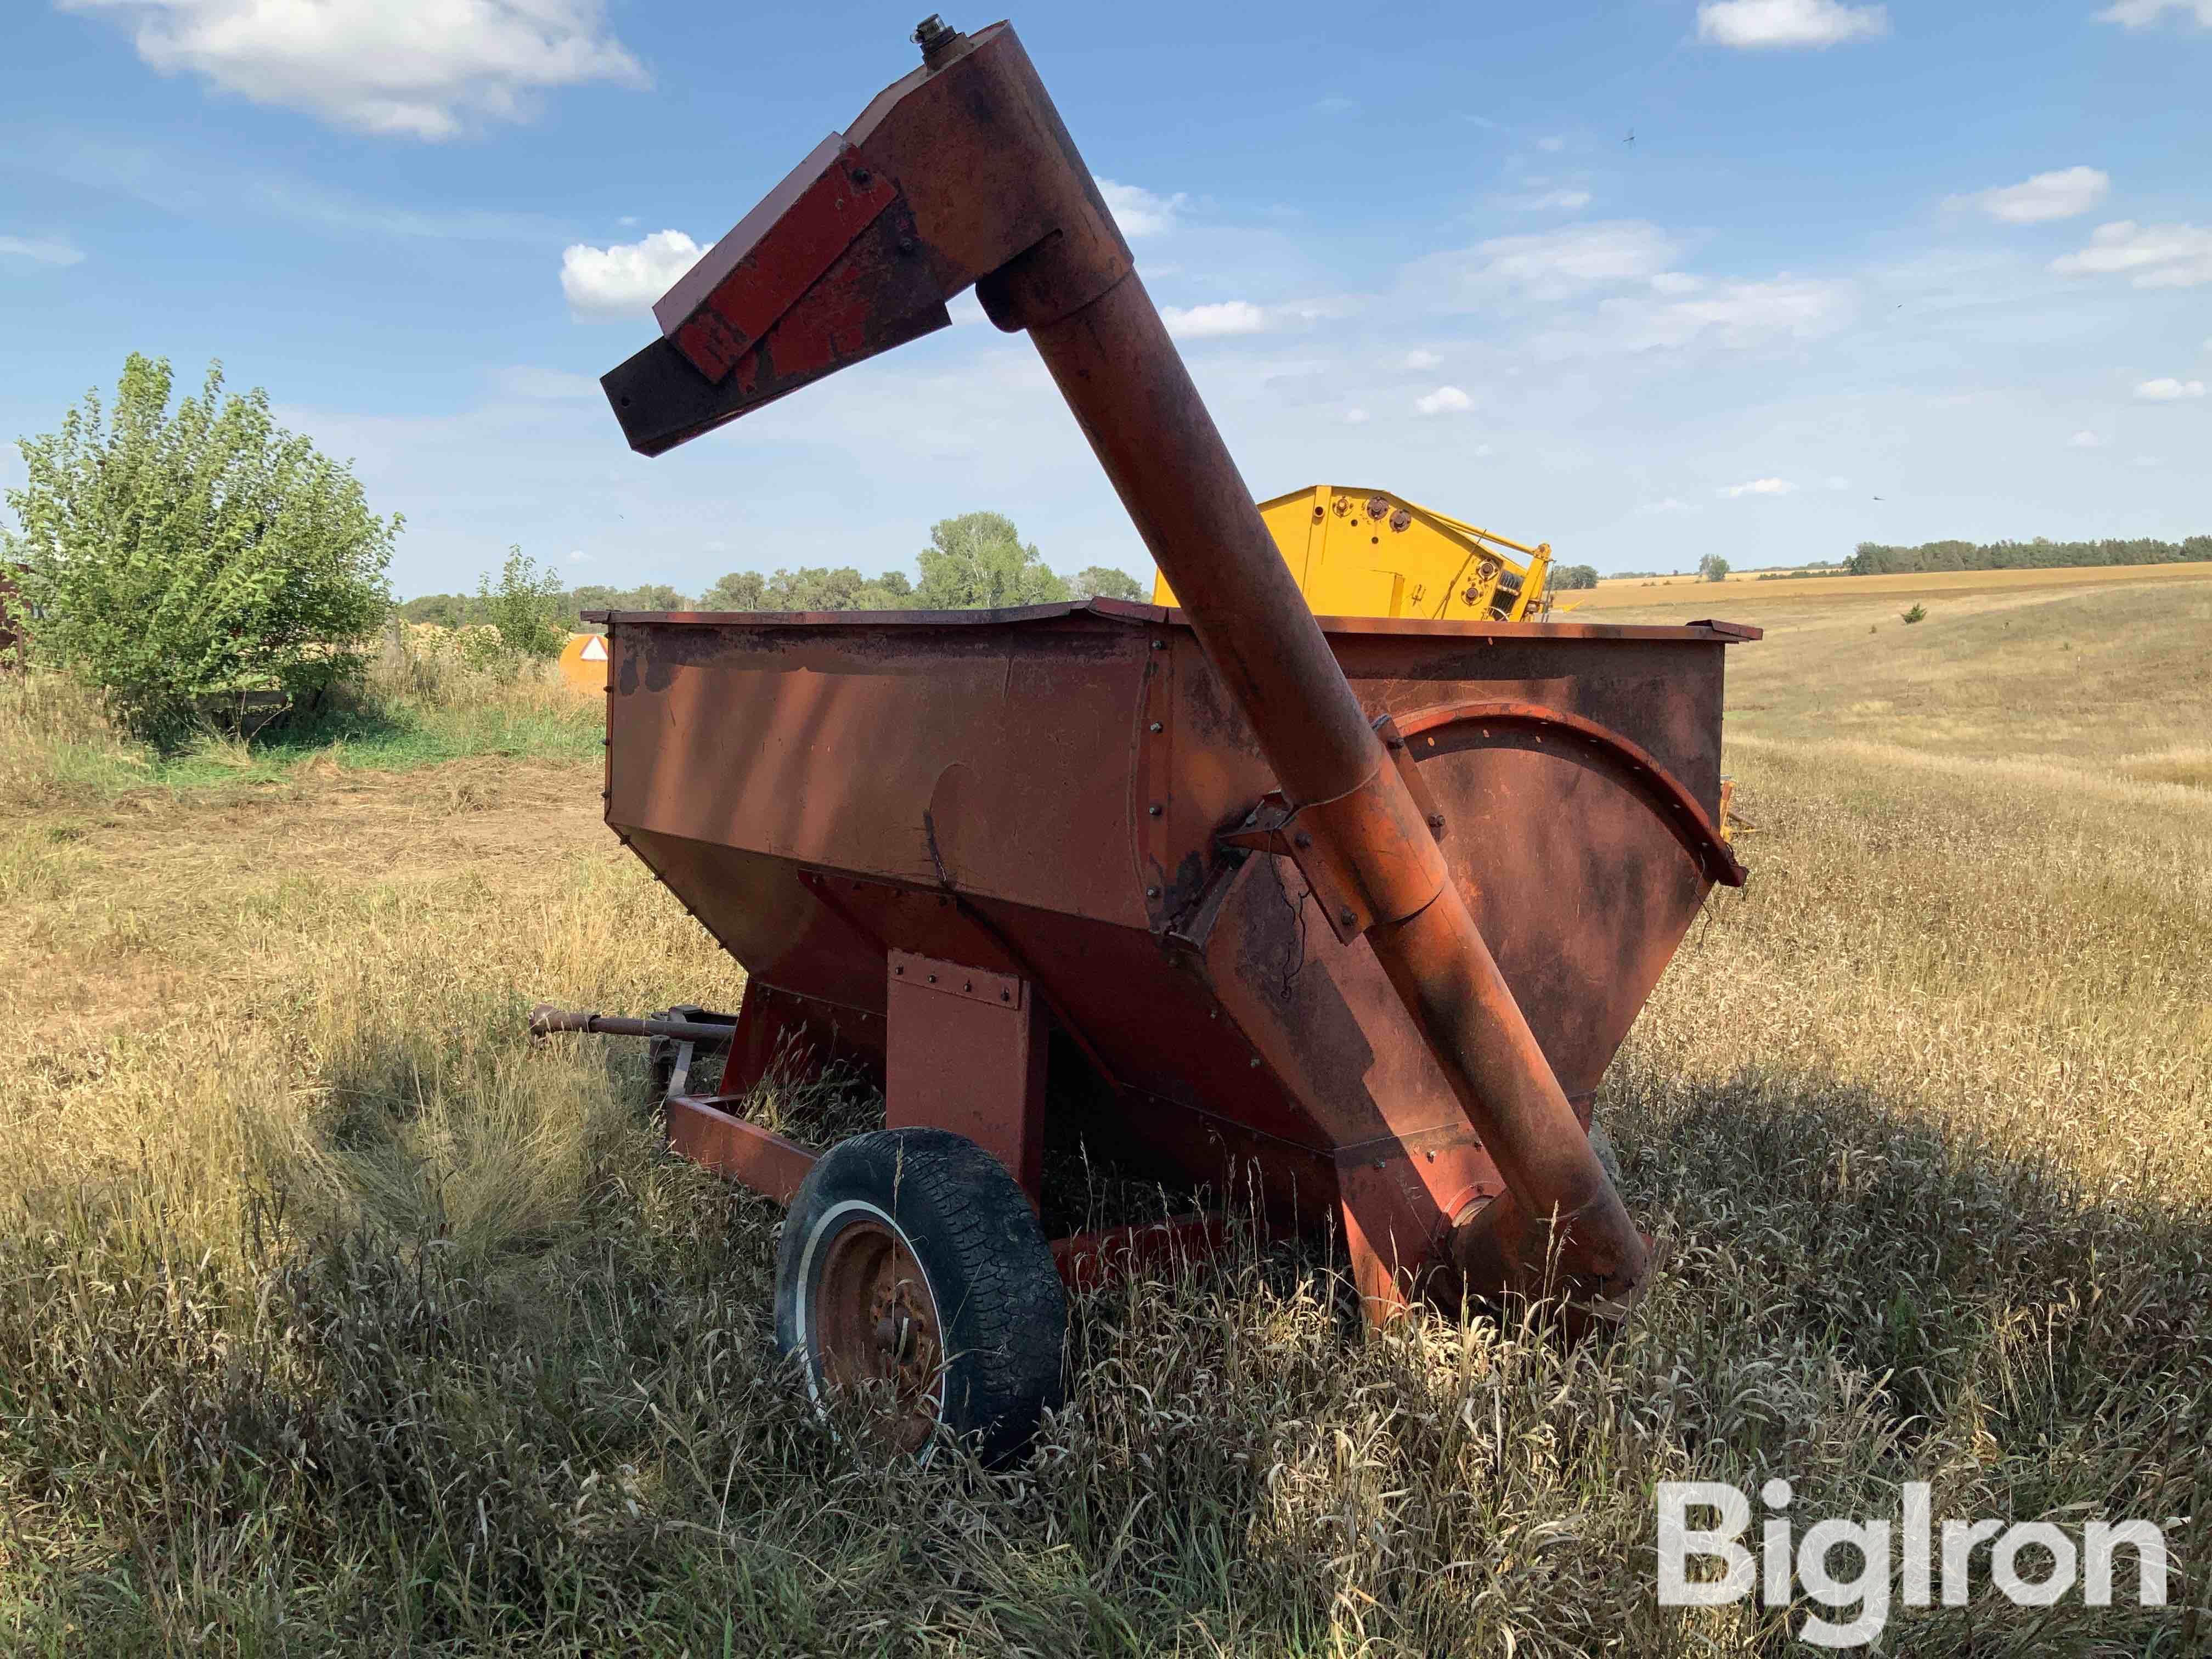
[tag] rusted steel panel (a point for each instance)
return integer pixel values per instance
(966, 758)
(1574, 737)
(967, 1052)
(787, 1034)
(1086, 1260)
(1581, 873)
(748, 1154)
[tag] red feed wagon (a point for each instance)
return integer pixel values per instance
(1358, 907)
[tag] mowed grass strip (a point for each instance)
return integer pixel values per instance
(336, 1317)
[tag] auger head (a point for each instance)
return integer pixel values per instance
(960, 173)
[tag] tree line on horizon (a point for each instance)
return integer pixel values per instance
(976, 560)
(168, 551)
(1874, 559)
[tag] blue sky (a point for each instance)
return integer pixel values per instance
(1957, 257)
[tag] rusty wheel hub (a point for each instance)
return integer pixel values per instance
(881, 1341)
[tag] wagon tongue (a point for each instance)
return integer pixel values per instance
(962, 173)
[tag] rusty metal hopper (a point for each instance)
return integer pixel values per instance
(1064, 800)
(1363, 906)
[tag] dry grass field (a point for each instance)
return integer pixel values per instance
(1613, 593)
(334, 1318)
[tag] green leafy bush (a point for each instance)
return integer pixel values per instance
(1918, 613)
(176, 556)
(524, 607)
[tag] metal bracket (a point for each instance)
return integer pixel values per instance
(977, 984)
(964, 1049)
(1271, 826)
(1409, 771)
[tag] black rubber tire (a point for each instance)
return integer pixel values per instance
(1003, 1314)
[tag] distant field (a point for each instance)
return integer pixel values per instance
(336, 1317)
(1614, 591)
(2110, 672)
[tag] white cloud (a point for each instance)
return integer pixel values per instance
(1551, 146)
(1756, 487)
(1355, 417)
(1422, 357)
(1206, 322)
(1561, 201)
(1444, 400)
(40, 250)
(1551, 265)
(581, 557)
(416, 70)
(603, 283)
(1757, 24)
(1738, 315)
(2059, 195)
(1677, 281)
(2159, 255)
(2142, 13)
(2148, 460)
(1672, 504)
(1481, 450)
(1840, 483)
(1327, 309)
(2168, 390)
(1140, 212)
(2084, 440)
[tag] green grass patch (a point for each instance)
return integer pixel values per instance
(61, 746)
(385, 741)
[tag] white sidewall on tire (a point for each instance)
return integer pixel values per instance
(826, 1226)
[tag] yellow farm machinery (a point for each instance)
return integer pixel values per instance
(1370, 553)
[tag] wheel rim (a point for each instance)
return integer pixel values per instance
(880, 1344)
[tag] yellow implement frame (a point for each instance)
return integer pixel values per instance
(1369, 553)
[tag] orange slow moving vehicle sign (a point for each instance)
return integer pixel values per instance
(583, 662)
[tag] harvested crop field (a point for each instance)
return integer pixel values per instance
(334, 1317)
(1613, 593)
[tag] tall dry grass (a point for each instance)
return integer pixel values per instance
(336, 1317)
(59, 747)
